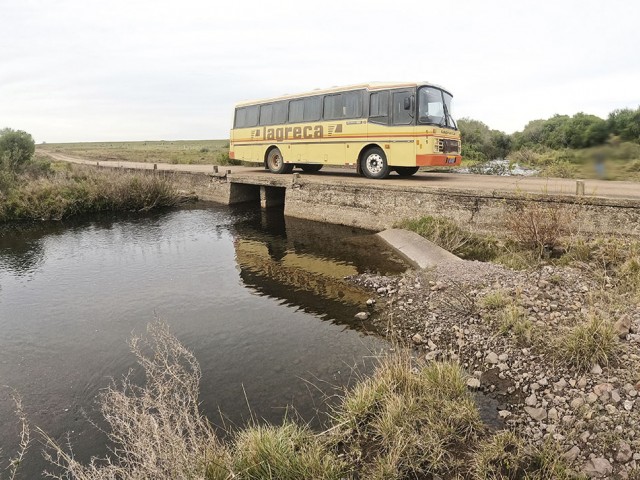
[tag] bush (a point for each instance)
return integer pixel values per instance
(539, 225)
(16, 148)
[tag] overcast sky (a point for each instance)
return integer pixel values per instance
(85, 70)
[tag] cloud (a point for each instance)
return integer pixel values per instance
(133, 70)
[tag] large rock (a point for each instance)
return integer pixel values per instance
(597, 468)
(538, 414)
(624, 453)
(623, 326)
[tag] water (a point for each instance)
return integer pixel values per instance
(259, 298)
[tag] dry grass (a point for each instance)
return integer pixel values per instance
(593, 342)
(174, 151)
(13, 464)
(449, 235)
(540, 226)
(157, 429)
(404, 422)
(506, 457)
(77, 190)
(286, 452)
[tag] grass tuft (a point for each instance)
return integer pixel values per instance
(286, 452)
(404, 422)
(505, 456)
(594, 341)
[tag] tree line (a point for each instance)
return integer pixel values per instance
(480, 143)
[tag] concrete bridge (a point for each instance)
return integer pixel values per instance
(341, 196)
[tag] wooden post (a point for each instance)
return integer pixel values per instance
(215, 169)
(579, 187)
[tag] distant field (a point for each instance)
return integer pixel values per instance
(177, 151)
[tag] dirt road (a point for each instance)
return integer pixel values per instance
(479, 183)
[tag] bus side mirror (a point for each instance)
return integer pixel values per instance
(410, 104)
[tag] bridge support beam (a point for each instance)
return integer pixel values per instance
(271, 196)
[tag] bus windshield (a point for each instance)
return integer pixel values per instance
(434, 107)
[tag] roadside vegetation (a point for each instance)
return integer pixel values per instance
(214, 152)
(32, 188)
(409, 420)
(578, 146)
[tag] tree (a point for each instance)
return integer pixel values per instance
(16, 148)
(481, 143)
(625, 123)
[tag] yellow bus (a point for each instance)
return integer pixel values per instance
(377, 128)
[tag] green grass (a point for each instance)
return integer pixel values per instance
(214, 152)
(449, 235)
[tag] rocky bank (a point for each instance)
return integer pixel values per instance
(456, 311)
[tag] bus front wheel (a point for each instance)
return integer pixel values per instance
(374, 164)
(275, 162)
(406, 171)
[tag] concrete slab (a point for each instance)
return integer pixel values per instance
(417, 250)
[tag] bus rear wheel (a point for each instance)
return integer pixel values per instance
(309, 168)
(406, 171)
(275, 162)
(374, 164)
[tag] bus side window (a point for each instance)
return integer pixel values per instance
(379, 108)
(400, 115)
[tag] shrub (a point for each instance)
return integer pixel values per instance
(157, 428)
(16, 148)
(539, 225)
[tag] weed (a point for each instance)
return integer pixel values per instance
(157, 428)
(13, 464)
(513, 319)
(594, 341)
(61, 194)
(495, 300)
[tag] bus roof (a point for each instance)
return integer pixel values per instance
(361, 86)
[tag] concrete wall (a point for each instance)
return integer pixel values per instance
(379, 206)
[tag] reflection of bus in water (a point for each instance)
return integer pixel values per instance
(376, 128)
(298, 265)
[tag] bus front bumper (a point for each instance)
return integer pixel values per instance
(438, 160)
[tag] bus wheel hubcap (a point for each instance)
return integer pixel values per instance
(374, 163)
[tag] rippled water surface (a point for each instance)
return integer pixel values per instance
(260, 299)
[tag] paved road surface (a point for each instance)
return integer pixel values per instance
(480, 183)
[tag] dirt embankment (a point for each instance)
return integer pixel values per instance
(515, 332)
